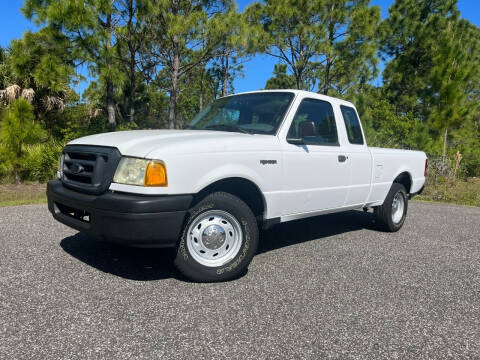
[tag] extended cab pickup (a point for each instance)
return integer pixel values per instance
(246, 161)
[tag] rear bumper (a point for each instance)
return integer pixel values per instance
(118, 217)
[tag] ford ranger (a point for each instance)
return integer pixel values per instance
(245, 162)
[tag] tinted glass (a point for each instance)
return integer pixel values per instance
(354, 131)
(259, 113)
(321, 114)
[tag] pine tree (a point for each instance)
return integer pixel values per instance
(232, 32)
(434, 66)
(453, 68)
(331, 41)
(409, 36)
(182, 37)
(131, 34)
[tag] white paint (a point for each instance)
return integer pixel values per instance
(307, 180)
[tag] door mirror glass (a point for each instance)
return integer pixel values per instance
(306, 129)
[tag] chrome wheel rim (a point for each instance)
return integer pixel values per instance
(214, 238)
(398, 207)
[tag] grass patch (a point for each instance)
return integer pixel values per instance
(22, 194)
(464, 192)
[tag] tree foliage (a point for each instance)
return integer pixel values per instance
(329, 44)
(434, 65)
(156, 63)
(89, 26)
(18, 129)
(40, 63)
(183, 36)
(280, 79)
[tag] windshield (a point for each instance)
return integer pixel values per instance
(257, 113)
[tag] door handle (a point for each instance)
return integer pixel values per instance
(342, 158)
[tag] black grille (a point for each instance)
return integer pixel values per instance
(89, 169)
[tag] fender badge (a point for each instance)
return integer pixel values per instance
(268, 162)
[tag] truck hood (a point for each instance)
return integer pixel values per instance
(141, 143)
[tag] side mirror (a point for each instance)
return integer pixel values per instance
(306, 129)
(295, 141)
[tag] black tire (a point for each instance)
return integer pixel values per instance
(191, 268)
(383, 214)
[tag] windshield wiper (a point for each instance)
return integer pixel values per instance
(226, 127)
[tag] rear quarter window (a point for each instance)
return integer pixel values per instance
(352, 124)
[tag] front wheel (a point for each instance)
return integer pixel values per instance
(391, 215)
(219, 239)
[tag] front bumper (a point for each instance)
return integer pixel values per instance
(119, 217)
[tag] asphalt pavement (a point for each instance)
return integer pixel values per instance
(325, 287)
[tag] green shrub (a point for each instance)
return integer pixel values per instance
(6, 167)
(42, 161)
(127, 126)
(18, 129)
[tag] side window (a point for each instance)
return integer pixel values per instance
(321, 114)
(354, 131)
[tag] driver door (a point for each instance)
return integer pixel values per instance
(316, 173)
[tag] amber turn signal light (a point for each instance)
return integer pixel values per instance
(156, 174)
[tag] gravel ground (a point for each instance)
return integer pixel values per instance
(326, 287)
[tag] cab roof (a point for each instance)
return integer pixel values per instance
(303, 94)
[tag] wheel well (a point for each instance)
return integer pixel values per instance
(405, 179)
(244, 189)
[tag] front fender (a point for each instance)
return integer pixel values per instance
(229, 171)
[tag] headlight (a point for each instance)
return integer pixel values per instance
(142, 172)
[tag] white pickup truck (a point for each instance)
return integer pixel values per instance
(246, 161)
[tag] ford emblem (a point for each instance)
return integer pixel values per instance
(76, 168)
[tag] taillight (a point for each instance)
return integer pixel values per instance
(426, 168)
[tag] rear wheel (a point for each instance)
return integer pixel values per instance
(391, 215)
(219, 239)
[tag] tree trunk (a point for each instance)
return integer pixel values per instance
(225, 75)
(132, 95)
(174, 90)
(110, 104)
(328, 65)
(16, 175)
(16, 166)
(326, 85)
(200, 100)
(132, 51)
(299, 80)
(110, 97)
(202, 76)
(172, 106)
(444, 155)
